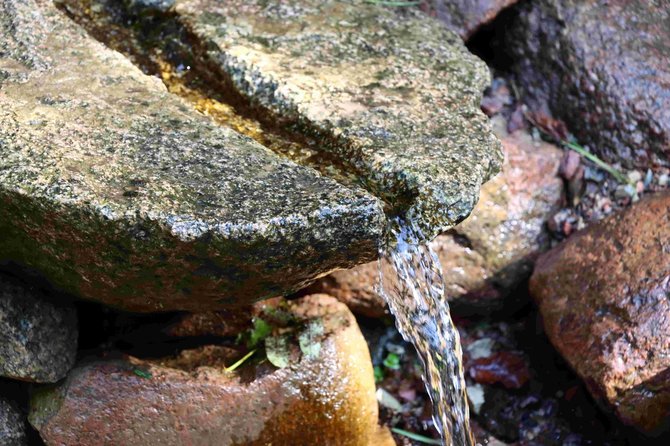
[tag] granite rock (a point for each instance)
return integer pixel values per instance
(117, 191)
(12, 425)
(38, 338)
(391, 96)
(603, 295)
(601, 66)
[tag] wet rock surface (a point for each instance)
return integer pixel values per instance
(117, 191)
(465, 17)
(551, 408)
(390, 94)
(603, 295)
(321, 397)
(602, 67)
(12, 425)
(490, 253)
(38, 339)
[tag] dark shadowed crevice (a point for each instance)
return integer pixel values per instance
(488, 42)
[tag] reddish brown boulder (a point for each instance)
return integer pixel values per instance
(465, 17)
(604, 297)
(489, 253)
(326, 397)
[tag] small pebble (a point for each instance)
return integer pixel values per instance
(634, 176)
(569, 164)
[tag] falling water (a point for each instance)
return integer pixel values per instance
(411, 282)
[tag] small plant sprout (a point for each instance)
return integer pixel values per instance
(241, 361)
(379, 374)
(392, 361)
(415, 437)
(142, 373)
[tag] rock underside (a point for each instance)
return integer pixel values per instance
(466, 17)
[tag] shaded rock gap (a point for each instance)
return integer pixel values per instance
(160, 45)
(487, 42)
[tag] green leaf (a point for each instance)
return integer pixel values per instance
(597, 161)
(309, 339)
(392, 361)
(259, 332)
(142, 373)
(379, 374)
(277, 350)
(415, 437)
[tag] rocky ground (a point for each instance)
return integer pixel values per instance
(254, 131)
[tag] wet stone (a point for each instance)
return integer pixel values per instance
(117, 191)
(38, 339)
(603, 296)
(489, 254)
(320, 397)
(389, 93)
(602, 67)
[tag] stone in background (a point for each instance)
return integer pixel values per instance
(12, 425)
(602, 67)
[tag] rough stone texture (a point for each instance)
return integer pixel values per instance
(12, 425)
(602, 66)
(38, 340)
(488, 254)
(465, 17)
(219, 323)
(391, 94)
(325, 400)
(115, 190)
(604, 297)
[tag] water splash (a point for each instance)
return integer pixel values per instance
(411, 282)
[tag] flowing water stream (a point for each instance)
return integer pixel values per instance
(411, 282)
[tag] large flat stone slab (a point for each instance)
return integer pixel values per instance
(118, 191)
(391, 94)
